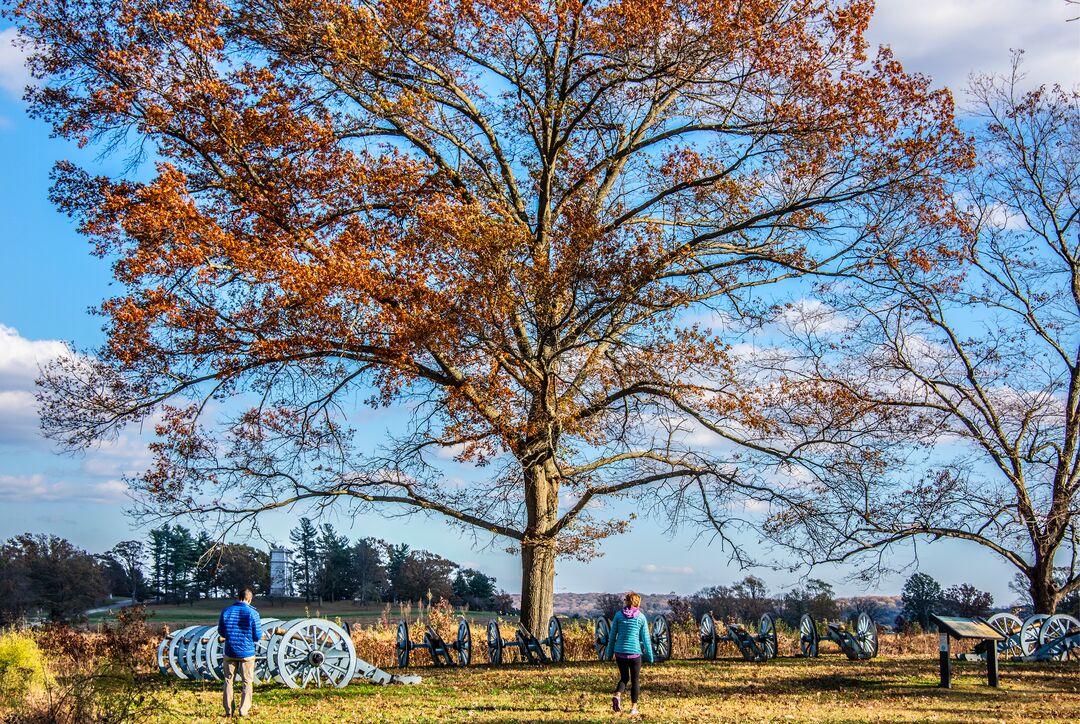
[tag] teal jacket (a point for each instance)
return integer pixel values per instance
(630, 636)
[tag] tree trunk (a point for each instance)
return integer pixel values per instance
(537, 586)
(1044, 590)
(538, 547)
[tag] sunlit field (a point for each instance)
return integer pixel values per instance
(787, 689)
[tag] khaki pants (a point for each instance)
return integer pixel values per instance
(246, 668)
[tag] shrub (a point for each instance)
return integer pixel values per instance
(22, 667)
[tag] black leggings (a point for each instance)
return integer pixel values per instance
(629, 672)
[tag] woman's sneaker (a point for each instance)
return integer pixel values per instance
(634, 711)
(616, 705)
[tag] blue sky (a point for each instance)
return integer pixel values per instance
(48, 280)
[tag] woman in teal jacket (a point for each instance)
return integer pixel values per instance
(629, 640)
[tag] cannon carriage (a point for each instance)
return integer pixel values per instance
(455, 653)
(659, 635)
(760, 645)
(858, 643)
(531, 649)
(1040, 637)
(297, 653)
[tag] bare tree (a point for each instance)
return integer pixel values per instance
(961, 357)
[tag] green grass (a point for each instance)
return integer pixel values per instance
(828, 689)
(207, 611)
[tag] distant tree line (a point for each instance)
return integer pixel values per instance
(748, 599)
(328, 566)
(49, 576)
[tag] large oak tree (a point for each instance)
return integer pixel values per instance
(496, 212)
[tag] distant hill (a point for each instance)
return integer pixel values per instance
(884, 611)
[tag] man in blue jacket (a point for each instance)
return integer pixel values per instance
(241, 627)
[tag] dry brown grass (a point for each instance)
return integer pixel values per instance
(898, 686)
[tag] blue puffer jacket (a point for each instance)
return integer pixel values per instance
(241, 627)
(630, 635)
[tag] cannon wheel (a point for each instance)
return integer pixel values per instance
(494, 643)
(1008, 625)
(215, 652)
(262, 664)
(316, 651)
(1029, 633)
(1056, 627)
(463, 649)
(661, 638)
(808, 636)
(277, 633)
(177, 651)
(163, 650)
(197, 662)
(401, 643)
(767, 635)
(555, 640)
(601, 631)
(190, 649)
(866, 636)
(707, 631)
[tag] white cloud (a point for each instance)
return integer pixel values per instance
(14, 76)
(21, 357)
(950, 39)
(652, 568)
(38, 488)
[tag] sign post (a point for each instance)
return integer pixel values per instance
(967, 628)
(946, 663)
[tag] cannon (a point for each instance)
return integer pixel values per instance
(529, 647)
(659, 635)
(297, 653)
(1041, 637)
(760, 645)
(858, 644)
(1050, 638)
(457, 652)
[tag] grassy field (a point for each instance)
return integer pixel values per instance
(828, 689)
(206, 612)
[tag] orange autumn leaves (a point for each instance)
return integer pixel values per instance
(499, 208)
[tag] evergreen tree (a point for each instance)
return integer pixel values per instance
(184, 549)
(368, 570)
(305, 559)
(335, 582)
(395, 558)
(473, 588)
(205, 561)
(160, 560)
